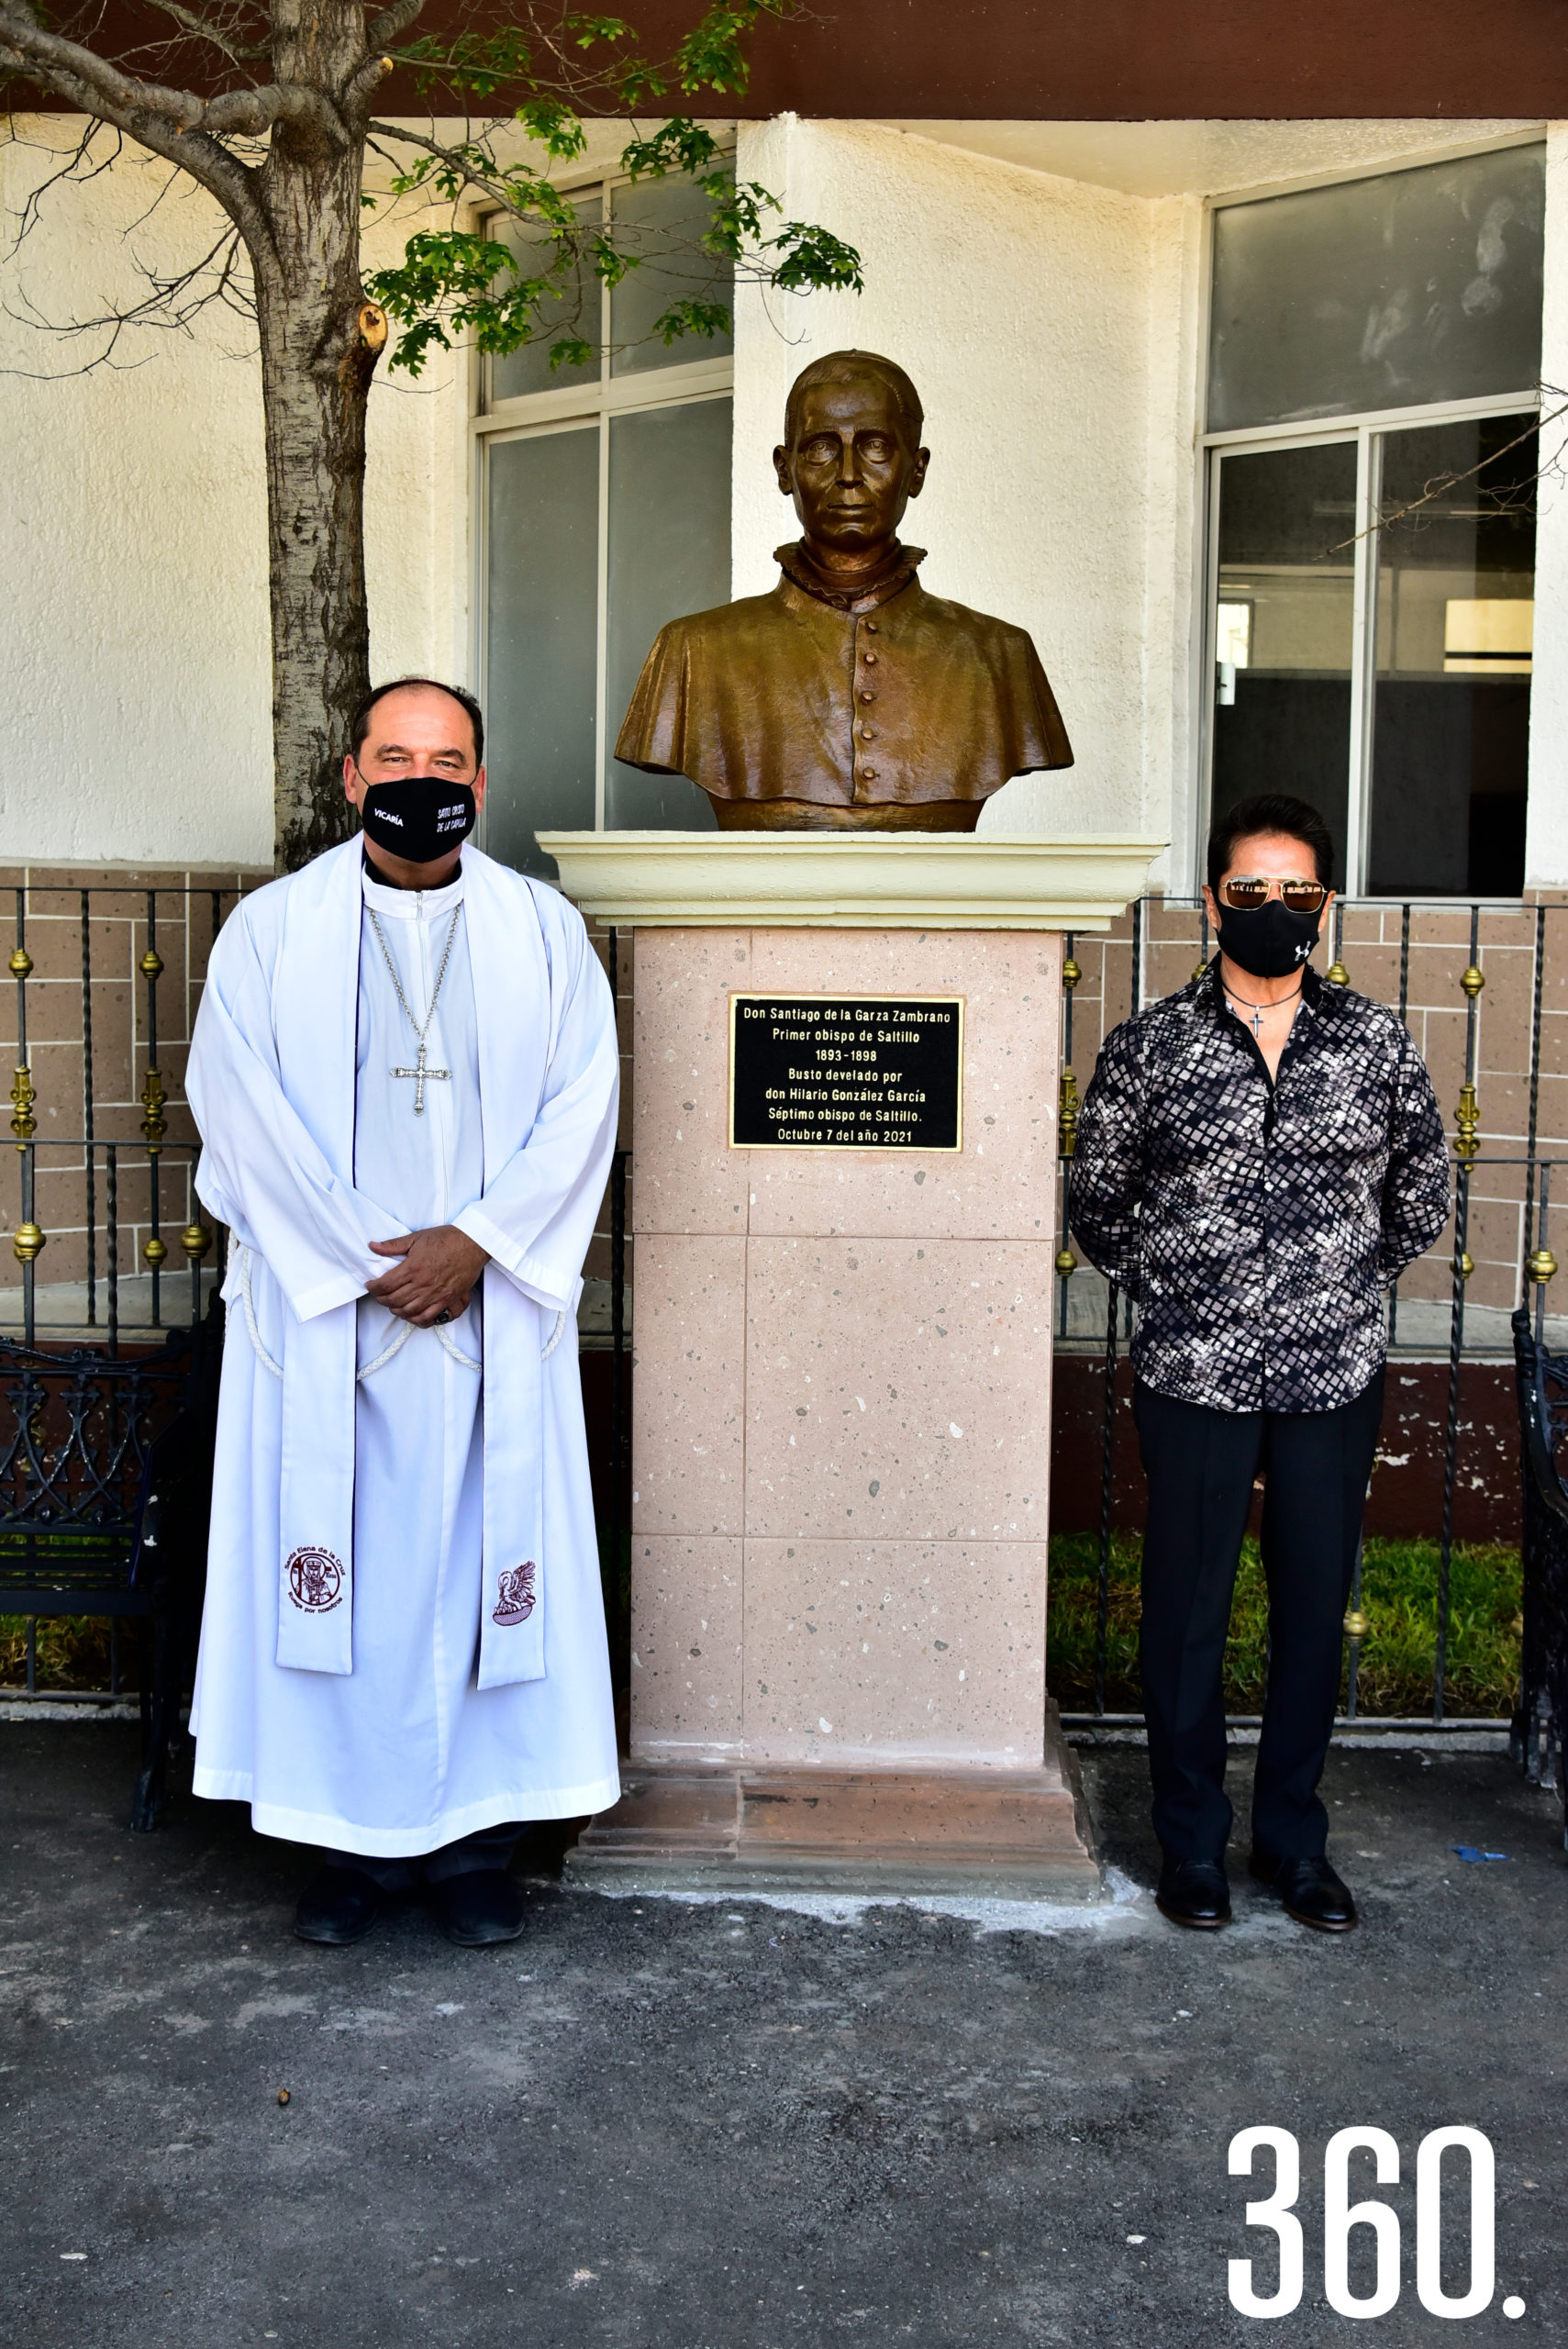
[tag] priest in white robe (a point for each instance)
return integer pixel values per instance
(404, 1073)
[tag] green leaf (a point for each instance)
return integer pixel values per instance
(481, 63)
(690, 317)
(812, 261)
(712, 55)
(680, 148)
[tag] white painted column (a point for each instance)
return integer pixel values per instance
(1546, 838)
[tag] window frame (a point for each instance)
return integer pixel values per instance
(1300, 432)
(573, 406)
(1364, 432)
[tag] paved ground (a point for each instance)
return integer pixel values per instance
(731, 2127)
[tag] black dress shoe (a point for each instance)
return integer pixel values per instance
(337, 1906)
(1193, 1892)
(1310, 1890)
(478, 1910)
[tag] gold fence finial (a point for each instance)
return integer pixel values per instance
(1467, 1119)
(24, 1125)
(154, 1124)
(1067, 1115)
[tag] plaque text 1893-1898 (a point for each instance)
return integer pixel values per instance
(859, 1072)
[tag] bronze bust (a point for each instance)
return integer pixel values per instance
(848, 698)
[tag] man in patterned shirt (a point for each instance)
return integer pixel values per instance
(1258, 1156)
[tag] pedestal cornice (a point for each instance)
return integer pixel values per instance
(863, 881)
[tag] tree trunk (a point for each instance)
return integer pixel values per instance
(319, 342)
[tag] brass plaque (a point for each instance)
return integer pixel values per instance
(846, 1071)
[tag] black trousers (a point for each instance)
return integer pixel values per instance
(1201, 1465)
(492, 1847)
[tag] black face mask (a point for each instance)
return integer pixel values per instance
(419, 818)
(1268, 941)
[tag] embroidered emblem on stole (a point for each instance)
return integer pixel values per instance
(515, 1600)
(314, 1579)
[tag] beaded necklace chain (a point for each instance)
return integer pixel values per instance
(420, 1071)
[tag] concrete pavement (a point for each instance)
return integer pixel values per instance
(732, 2126)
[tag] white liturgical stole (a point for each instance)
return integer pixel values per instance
(282, 1162)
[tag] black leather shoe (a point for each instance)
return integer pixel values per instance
(1309, 1889)
(478, 1910)
(337, 1906)
(1193, 1892)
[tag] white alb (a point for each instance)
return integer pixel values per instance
(403, 1638)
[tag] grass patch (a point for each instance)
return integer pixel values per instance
(1399, 1585)
(72, 1652)
(1399, 1596)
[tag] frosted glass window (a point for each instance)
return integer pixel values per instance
(542, 560)
(1455, 625)
(1284, 629)
(577, 310)
(669, 555)
(1412, 287)
(663, 222)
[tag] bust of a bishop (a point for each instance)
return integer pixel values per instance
(848, 698)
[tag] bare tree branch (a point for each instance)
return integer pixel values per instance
(23, 40)
(460, 163)
(71, 169)
(166, 122)
(1441, 486)
(203, 28)
(172, 304)
(382, 30)
(253, 112)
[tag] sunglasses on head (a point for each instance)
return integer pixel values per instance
(1243, 893)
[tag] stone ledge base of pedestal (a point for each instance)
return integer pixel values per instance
(1010, 1835)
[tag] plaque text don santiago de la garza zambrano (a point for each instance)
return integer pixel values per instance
(858, 1071)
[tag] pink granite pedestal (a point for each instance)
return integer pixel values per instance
(841, 1448)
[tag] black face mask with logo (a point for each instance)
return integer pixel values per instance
(420, 817)
(1269, 941)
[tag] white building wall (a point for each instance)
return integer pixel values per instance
(1052, 324)
(135, 662)
(1023, 307)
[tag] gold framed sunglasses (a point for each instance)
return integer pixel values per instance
(1244, 892)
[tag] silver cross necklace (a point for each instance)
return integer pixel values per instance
(420, 1070)
(1257, 1009)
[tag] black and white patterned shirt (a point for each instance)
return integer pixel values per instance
(1255, 1223)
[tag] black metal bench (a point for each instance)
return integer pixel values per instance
(105, 1489)
(1537, 1725)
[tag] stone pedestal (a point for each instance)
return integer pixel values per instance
(842, 1400)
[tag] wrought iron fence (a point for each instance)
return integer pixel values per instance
(99, 1336)
(1519, 1179)
(106, 1202)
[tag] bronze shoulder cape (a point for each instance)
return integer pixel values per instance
(781, 696)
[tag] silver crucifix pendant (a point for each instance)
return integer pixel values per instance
(419, 1073)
